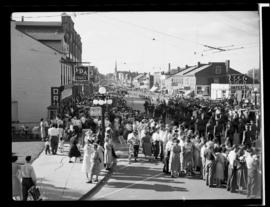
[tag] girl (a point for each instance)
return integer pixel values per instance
(174, 161)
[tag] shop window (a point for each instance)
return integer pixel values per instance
(199, 90)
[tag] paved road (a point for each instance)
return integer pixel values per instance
(136, 103)
(145, 180)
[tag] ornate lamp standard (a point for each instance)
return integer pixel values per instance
(102, 100)
(255, 91)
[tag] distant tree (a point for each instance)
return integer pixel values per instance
(257, 74)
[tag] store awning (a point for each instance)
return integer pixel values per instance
(66, 93)
(153, 89)
(189, 93)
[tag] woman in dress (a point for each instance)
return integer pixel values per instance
(100, 151)
(16, 184)
(146, 145)
(188, 155)
(107, 154)
(241, 168)
(95, 164)
(220, 165)
(196, 153)
(174, 162)
(74, 151)
(87, 151)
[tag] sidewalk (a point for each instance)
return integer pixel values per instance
(60, 180)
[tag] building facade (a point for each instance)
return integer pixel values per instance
(199, 78)
(35, 68)
(40, 40)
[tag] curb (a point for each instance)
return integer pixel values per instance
(99, 183)
(38, 155)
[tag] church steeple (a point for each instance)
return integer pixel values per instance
(115, 71)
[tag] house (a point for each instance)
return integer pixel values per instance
(199, 78)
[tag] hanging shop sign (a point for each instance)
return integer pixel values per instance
(55, 96)
(81, 75)
(95, 111)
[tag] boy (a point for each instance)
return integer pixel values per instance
(47, 146)
(61, 146)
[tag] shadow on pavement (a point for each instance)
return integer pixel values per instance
(57, 193)
(138, 178)
(156, 187)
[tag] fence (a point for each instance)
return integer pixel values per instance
(25, 130)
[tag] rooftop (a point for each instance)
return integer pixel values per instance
(48, 36)
(33, 23)
(196, 70)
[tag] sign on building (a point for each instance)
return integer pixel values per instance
(81, 74)
(55, 96)
(219, 91)
(95, 111)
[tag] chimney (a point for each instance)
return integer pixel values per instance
(22, 18)
(186, 66)
(199, 64)
(169, 67)
(227, 65)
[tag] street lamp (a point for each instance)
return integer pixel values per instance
(255, 92)
(102, 100)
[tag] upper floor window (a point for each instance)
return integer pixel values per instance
(218, 69)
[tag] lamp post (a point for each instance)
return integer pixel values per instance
(102, 100)
(255, 93)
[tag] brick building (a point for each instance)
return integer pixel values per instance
(199, 78)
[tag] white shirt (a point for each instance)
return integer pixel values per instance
(163, 135)
(249, 161)
(53, 131)
(169, 145)
(202, 151)
(28, 172)
(231, 157)
(131, 135)
(156, 136)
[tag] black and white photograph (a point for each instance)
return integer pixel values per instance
(137, 105)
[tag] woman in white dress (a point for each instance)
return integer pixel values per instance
(86, 165)
(107, 154)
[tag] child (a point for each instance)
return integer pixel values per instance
(47, 146)
(61, 146)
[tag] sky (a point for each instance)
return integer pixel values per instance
(149, 41)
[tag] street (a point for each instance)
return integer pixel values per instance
(145, 180)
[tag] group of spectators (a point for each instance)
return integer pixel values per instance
(218, 141)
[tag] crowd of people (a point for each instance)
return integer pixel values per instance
(218, 141)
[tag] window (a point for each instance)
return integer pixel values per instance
(199, 90)
(218, 69)
(181, 81)
(216, 80)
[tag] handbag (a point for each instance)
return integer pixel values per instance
(35, 193)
